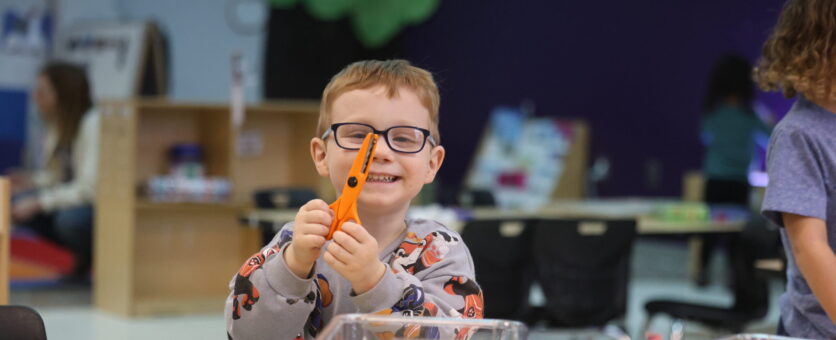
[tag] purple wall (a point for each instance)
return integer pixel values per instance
(635, 71)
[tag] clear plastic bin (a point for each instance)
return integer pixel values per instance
(374, 327)
(758, 337)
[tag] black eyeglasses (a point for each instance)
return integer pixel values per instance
(404, 139)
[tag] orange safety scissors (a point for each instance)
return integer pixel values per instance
(345, 207)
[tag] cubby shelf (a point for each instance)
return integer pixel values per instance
(158, 257)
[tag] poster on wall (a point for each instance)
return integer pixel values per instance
(520, 158)
(111, 52)
(26, 29)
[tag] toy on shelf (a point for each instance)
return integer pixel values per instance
(187, 182)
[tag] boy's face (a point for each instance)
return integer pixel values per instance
(409, 171)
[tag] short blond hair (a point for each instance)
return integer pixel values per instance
(800, 53)
(392, 75)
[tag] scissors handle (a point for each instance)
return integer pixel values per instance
(349, 213)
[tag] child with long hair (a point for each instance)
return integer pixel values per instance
(56, 200)
(729, 128)
(799, 58)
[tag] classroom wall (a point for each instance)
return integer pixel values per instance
(200, 47)
(24, 40)
(200, 41)
(636, 71)
(201, 44)
(71, 11)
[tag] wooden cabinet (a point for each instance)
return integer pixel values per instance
(160, 258)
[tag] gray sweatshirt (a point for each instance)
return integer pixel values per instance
(429, 272)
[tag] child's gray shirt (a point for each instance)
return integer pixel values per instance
(429, 272)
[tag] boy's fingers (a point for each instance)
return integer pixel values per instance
(311, 240)
(332, 261)
(317, 216)
(346, 241)
(320, 230)
(315, 204)
(357, 232)
(318, 240)
(338, 252)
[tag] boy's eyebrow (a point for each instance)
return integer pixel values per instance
(396, 123)
(362, 121)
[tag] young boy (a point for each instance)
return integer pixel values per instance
(388, 265)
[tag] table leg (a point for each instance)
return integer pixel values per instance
(694, 257)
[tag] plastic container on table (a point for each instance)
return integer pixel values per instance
(369, 326)
(753, 336)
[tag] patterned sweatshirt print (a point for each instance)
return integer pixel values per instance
(429, 272)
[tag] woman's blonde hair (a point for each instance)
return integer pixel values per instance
(392, 75)
(799, 55)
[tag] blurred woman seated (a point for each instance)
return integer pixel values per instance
(56, 200)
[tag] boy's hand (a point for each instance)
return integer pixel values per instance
(309, 230)
(353, 254)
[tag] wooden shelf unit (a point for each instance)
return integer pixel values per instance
(162, 258)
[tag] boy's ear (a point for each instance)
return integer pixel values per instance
(436, 158)
(318, 155)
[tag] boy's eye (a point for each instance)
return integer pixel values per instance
(403, 135)
(403, 139)
(353, 133)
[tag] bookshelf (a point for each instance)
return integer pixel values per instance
(173, 258)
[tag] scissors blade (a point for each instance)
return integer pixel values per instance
(369, 149)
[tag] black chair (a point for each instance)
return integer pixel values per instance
(500, 254)
(282, 198)
(279, 198)
(749, 288)
(21, 322)
(475, 198)
(583, 267)
(502, 260)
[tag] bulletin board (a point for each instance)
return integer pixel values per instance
(26, 32)
(528, 161)
(123, 60)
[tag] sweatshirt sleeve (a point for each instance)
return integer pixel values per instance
(429, 276)
(82, 189)
(268, 301)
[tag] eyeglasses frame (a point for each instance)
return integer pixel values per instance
(384, 133)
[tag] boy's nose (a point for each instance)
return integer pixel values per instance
(383, 152)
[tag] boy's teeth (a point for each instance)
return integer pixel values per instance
(380, 178)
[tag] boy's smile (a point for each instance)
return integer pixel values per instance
(381, 178)
(395, 177)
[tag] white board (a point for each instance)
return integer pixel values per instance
(112, 53)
